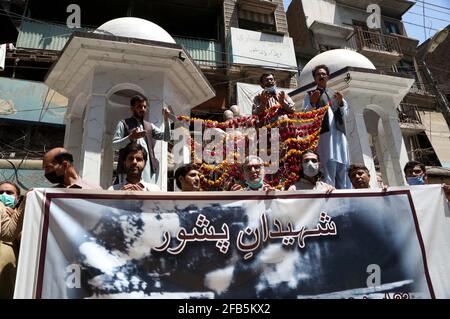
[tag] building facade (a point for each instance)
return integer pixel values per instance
(233, 41)
(320, 25)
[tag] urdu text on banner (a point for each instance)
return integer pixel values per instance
(350, 244)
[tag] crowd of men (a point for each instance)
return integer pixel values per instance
(324, 170)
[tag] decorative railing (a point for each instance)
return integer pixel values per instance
(47, 36)
(204, 52)
(408, 113)
(369, 40)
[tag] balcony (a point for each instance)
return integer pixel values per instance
(409, 119)
(390, 8)
(203, 51)
(45, 36)
(259, 6)
(407, 45)
(383, 50)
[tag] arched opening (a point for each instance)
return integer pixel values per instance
(117, 108)
(383, 155)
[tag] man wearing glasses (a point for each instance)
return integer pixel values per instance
(254, 176)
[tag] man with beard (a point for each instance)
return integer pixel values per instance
(333, 146)
(134, 163)
(136, 129)
(187, 178)
(270, 96)
(58, 168)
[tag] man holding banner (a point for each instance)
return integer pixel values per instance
(135, 159)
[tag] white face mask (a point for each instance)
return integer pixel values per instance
(310, 169)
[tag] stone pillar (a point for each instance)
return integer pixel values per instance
(92, 148)
(73, 138)
(358, 143)
(395, 146)
(108, 161)
(155, 116)
(408, 144)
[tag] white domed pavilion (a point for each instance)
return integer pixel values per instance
(335, 60)
(137, 28)
(100, 71)
(372, 120)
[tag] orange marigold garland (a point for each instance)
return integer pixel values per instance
(298, 132)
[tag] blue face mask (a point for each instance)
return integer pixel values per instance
(418, 180)
(257, 185)
(8, 200)
(271, 90)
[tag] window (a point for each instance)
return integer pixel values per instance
(391, 27)
(406, 67)
(256, 21)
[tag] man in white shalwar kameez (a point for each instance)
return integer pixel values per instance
(333, 146)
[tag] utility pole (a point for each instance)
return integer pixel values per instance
(443, 105)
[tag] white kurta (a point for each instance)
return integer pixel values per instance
(147, 187)
(333, 145)
(120, 141)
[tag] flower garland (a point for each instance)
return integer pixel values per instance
(299, 132)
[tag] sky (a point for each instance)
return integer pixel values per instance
(437, 16)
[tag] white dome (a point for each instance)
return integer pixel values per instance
(335, 60)
(135, 28)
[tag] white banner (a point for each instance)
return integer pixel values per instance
(350, 244)
(262, 49)
(246, 93)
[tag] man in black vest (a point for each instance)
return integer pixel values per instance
(333, 146)
(136, 129)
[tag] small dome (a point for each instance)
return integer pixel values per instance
(335, 60)
(135, 28)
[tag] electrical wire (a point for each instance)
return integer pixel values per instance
(433, 5)
(430, 17)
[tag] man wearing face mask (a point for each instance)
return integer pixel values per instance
(271, 96)
(254, 176)
(416, 174)
(10, 227)
(58, 167)
(333, 146)
(310, 177)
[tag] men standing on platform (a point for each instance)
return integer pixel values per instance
(270, 96)
(333, 146)
(136, 129)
